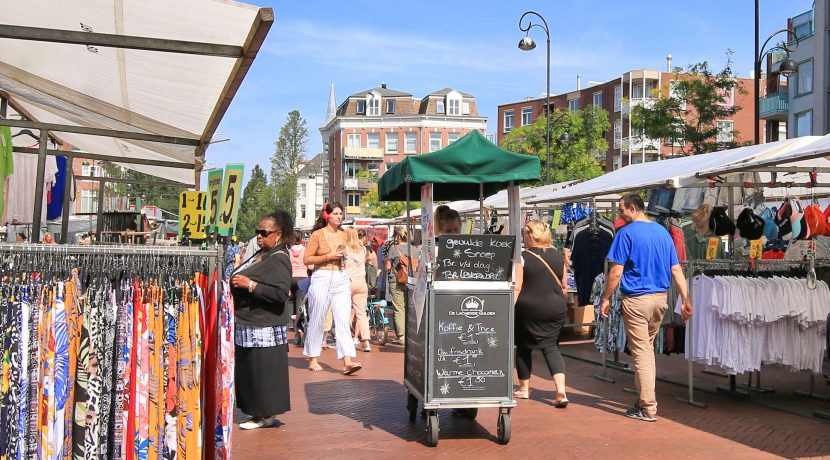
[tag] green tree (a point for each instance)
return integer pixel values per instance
(257, 201)
(285, 162)
(575, 159)
(689, 114)
(373, 207)
(165, 197)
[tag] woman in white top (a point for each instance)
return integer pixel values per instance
(355, 265)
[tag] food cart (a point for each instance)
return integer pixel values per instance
(459, 314)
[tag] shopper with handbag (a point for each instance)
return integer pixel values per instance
(399, 258)
(541, 309)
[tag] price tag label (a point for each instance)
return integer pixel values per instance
(214, 192)
(756, 249)
(192, 214)
(229, 198)
(712, 248)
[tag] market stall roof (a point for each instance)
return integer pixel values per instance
(161, 73)
(500, 200)
(677, 172)
(457, 171)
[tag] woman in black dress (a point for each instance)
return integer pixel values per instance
(541, 308)
(260, 289)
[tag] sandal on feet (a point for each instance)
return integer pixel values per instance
(519, 394)
(316, 368)
(561, 403)
(352, 369)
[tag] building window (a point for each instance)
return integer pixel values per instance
(350, 169)
(373, 168)
(374, 107)
(673, 93)
(804, 123)
(527, 116)
(597, 99)
(302, 211)
(373, 141)
(804, 78)
(353, 199)
(452, 137)
(725, 131)
(303, 190)
(354, 140)
(617, 98)
(465, 108)
(679, 135)
(455, 106)
(434, 141)
(439, 106)
(89, 201)
(617, 134)
(411, 142)
(615, 163)
(573, 105)
(390, 106)
(728, 96)
(361, 107)
(392, 143)
(508, 120)
(637, 91)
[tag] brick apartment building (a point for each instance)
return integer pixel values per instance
(618, 97)
(372, 130)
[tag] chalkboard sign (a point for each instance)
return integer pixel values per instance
(415, 358)
(475, 258)
(472, 345)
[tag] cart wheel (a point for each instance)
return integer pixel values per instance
(412, 407)
(504, 428)
(432, 429)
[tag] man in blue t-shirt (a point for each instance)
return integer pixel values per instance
(644, 257)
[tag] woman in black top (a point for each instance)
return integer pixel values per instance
(260, 290)
(541, 308)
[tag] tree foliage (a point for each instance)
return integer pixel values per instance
(689, 114)
(288, 156)
(164, 197)
(373, 207)
(574, 160)
(257, 201)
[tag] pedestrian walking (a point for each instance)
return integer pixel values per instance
(541, 309)
(330, 285)
(644, 261)
(260, 289)
(398, 256)
(355, 263)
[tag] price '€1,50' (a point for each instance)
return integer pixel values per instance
(192, 214)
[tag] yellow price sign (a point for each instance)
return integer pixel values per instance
(712, 248)
(756, 249)
(192, 215)
(229, 199)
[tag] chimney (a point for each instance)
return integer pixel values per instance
(578, 82)
(668, 63)
(383, 84)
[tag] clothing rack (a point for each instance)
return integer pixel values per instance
(757, 266)
(68, 249)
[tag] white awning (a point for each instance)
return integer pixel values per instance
(676, 172)
(49, 76)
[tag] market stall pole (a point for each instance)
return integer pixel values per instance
(459, 316)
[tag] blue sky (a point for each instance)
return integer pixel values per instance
(423, 46)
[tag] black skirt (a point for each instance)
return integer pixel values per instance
(262, 381)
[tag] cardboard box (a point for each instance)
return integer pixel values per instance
(584, 314)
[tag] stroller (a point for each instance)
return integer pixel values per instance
(300, 300)
(380, 318)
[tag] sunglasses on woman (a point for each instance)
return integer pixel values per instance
(265, 233)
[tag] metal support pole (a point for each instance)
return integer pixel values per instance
(690, 334)
(67, 191)
(39, 179)
(757, 80)
(100, 210)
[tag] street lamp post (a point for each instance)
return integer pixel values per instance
(787, 67)
(527, 44)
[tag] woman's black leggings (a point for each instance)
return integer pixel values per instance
(524, 361)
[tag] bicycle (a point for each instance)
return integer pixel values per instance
(379, 320)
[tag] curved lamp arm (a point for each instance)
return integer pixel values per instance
(530, 24)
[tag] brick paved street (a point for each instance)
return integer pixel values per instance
(365, 416)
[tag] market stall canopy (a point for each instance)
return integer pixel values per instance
(676, 172)
(457, 170)
(165, 70)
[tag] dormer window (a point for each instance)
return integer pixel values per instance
(439, 106)
(390, 106)
(374, 107)
(361, 107)
(455, 106)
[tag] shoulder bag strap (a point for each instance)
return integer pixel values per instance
(552, 273)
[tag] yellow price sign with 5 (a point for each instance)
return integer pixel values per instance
(192, 214)
(229, 199)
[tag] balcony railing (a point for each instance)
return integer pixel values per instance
(774, 105)
(357, 183)
(362, 152)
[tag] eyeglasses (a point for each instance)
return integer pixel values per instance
(265, 233)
